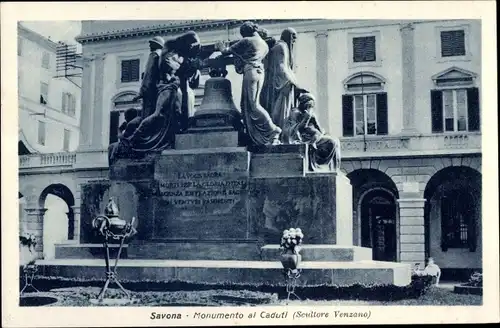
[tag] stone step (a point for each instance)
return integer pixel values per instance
(319, 252)
(87, 251)
(235, 272)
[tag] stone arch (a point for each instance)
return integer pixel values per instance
(63, 192)
(452, 218)
(364, 181)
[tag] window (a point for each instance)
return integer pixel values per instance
(455, 110)
(46, 60)
(364, 108)
(44, 93)
(68, 103)
(457, 225)
(122, 103)
(453, 43)
(130, 70)
(364, 49)
(41, 133)
(67, 139)
(19, 46)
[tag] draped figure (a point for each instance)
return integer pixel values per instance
(249, 53)
(302, 127)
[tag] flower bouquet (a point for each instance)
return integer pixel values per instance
(290, 247)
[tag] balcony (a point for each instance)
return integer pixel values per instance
(411, 145)
(47, 160)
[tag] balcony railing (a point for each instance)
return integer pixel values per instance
(371, 146)
(47, 160)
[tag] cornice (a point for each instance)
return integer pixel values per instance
(194, 25)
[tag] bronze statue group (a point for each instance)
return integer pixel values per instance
(275, 108)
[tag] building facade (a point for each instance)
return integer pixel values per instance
(49, 107)
(403, 97)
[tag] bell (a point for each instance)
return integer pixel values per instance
(217, 98)
(217, 109)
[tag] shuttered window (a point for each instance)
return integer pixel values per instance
(114, 122)
(66, 140)
(364, 114)
(44, 93)
(453, 43)
(41, 133)
(46, 60)
(364, 49)
(455, 110)
(130, 70)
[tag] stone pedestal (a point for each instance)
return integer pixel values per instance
(217, 214)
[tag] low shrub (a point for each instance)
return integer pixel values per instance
(418, 286)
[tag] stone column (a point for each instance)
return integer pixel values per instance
(408, 78)
(322, 85)
(412, 230)
(86, 107)
(34, 225)
(76, 216)
(97, 124)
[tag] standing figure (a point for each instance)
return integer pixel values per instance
(188, 46)
(278, 93)
(149, 90)
(249, 53)
(303, 127)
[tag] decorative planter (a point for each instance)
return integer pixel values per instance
(291, 260)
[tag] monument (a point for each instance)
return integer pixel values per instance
(218, 191)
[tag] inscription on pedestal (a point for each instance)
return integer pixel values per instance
(196, 193)
(202, 196)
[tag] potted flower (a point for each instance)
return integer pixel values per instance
(27, 243)
(290, 247)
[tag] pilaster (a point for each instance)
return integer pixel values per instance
(412, 230)
(97, 124)
(86, 105)
(408, 78)
(322, 80)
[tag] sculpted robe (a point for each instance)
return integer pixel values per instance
(249, 53)
(149, 89)
(278, 91)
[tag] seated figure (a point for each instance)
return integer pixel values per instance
(302, 127)
(432, 269)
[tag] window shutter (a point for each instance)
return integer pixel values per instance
(113, 126)
(437, 111)
(64, 103)
(73, 106)
(134, 70)
(347, 116)
(473, 109)
(364, 49)
(445, 223)
(125, 71)
(382, 117)
(453, 43)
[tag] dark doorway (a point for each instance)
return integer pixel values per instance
(378, 225)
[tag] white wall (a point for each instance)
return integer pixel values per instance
(31, 75)
(428, 62)
(388, 39)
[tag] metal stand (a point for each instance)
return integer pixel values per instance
(291, 276)
(103, 223)
(29, 272)
(111, 275)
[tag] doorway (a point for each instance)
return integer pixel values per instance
(378, 225)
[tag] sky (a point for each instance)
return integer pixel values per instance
(65, 31)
